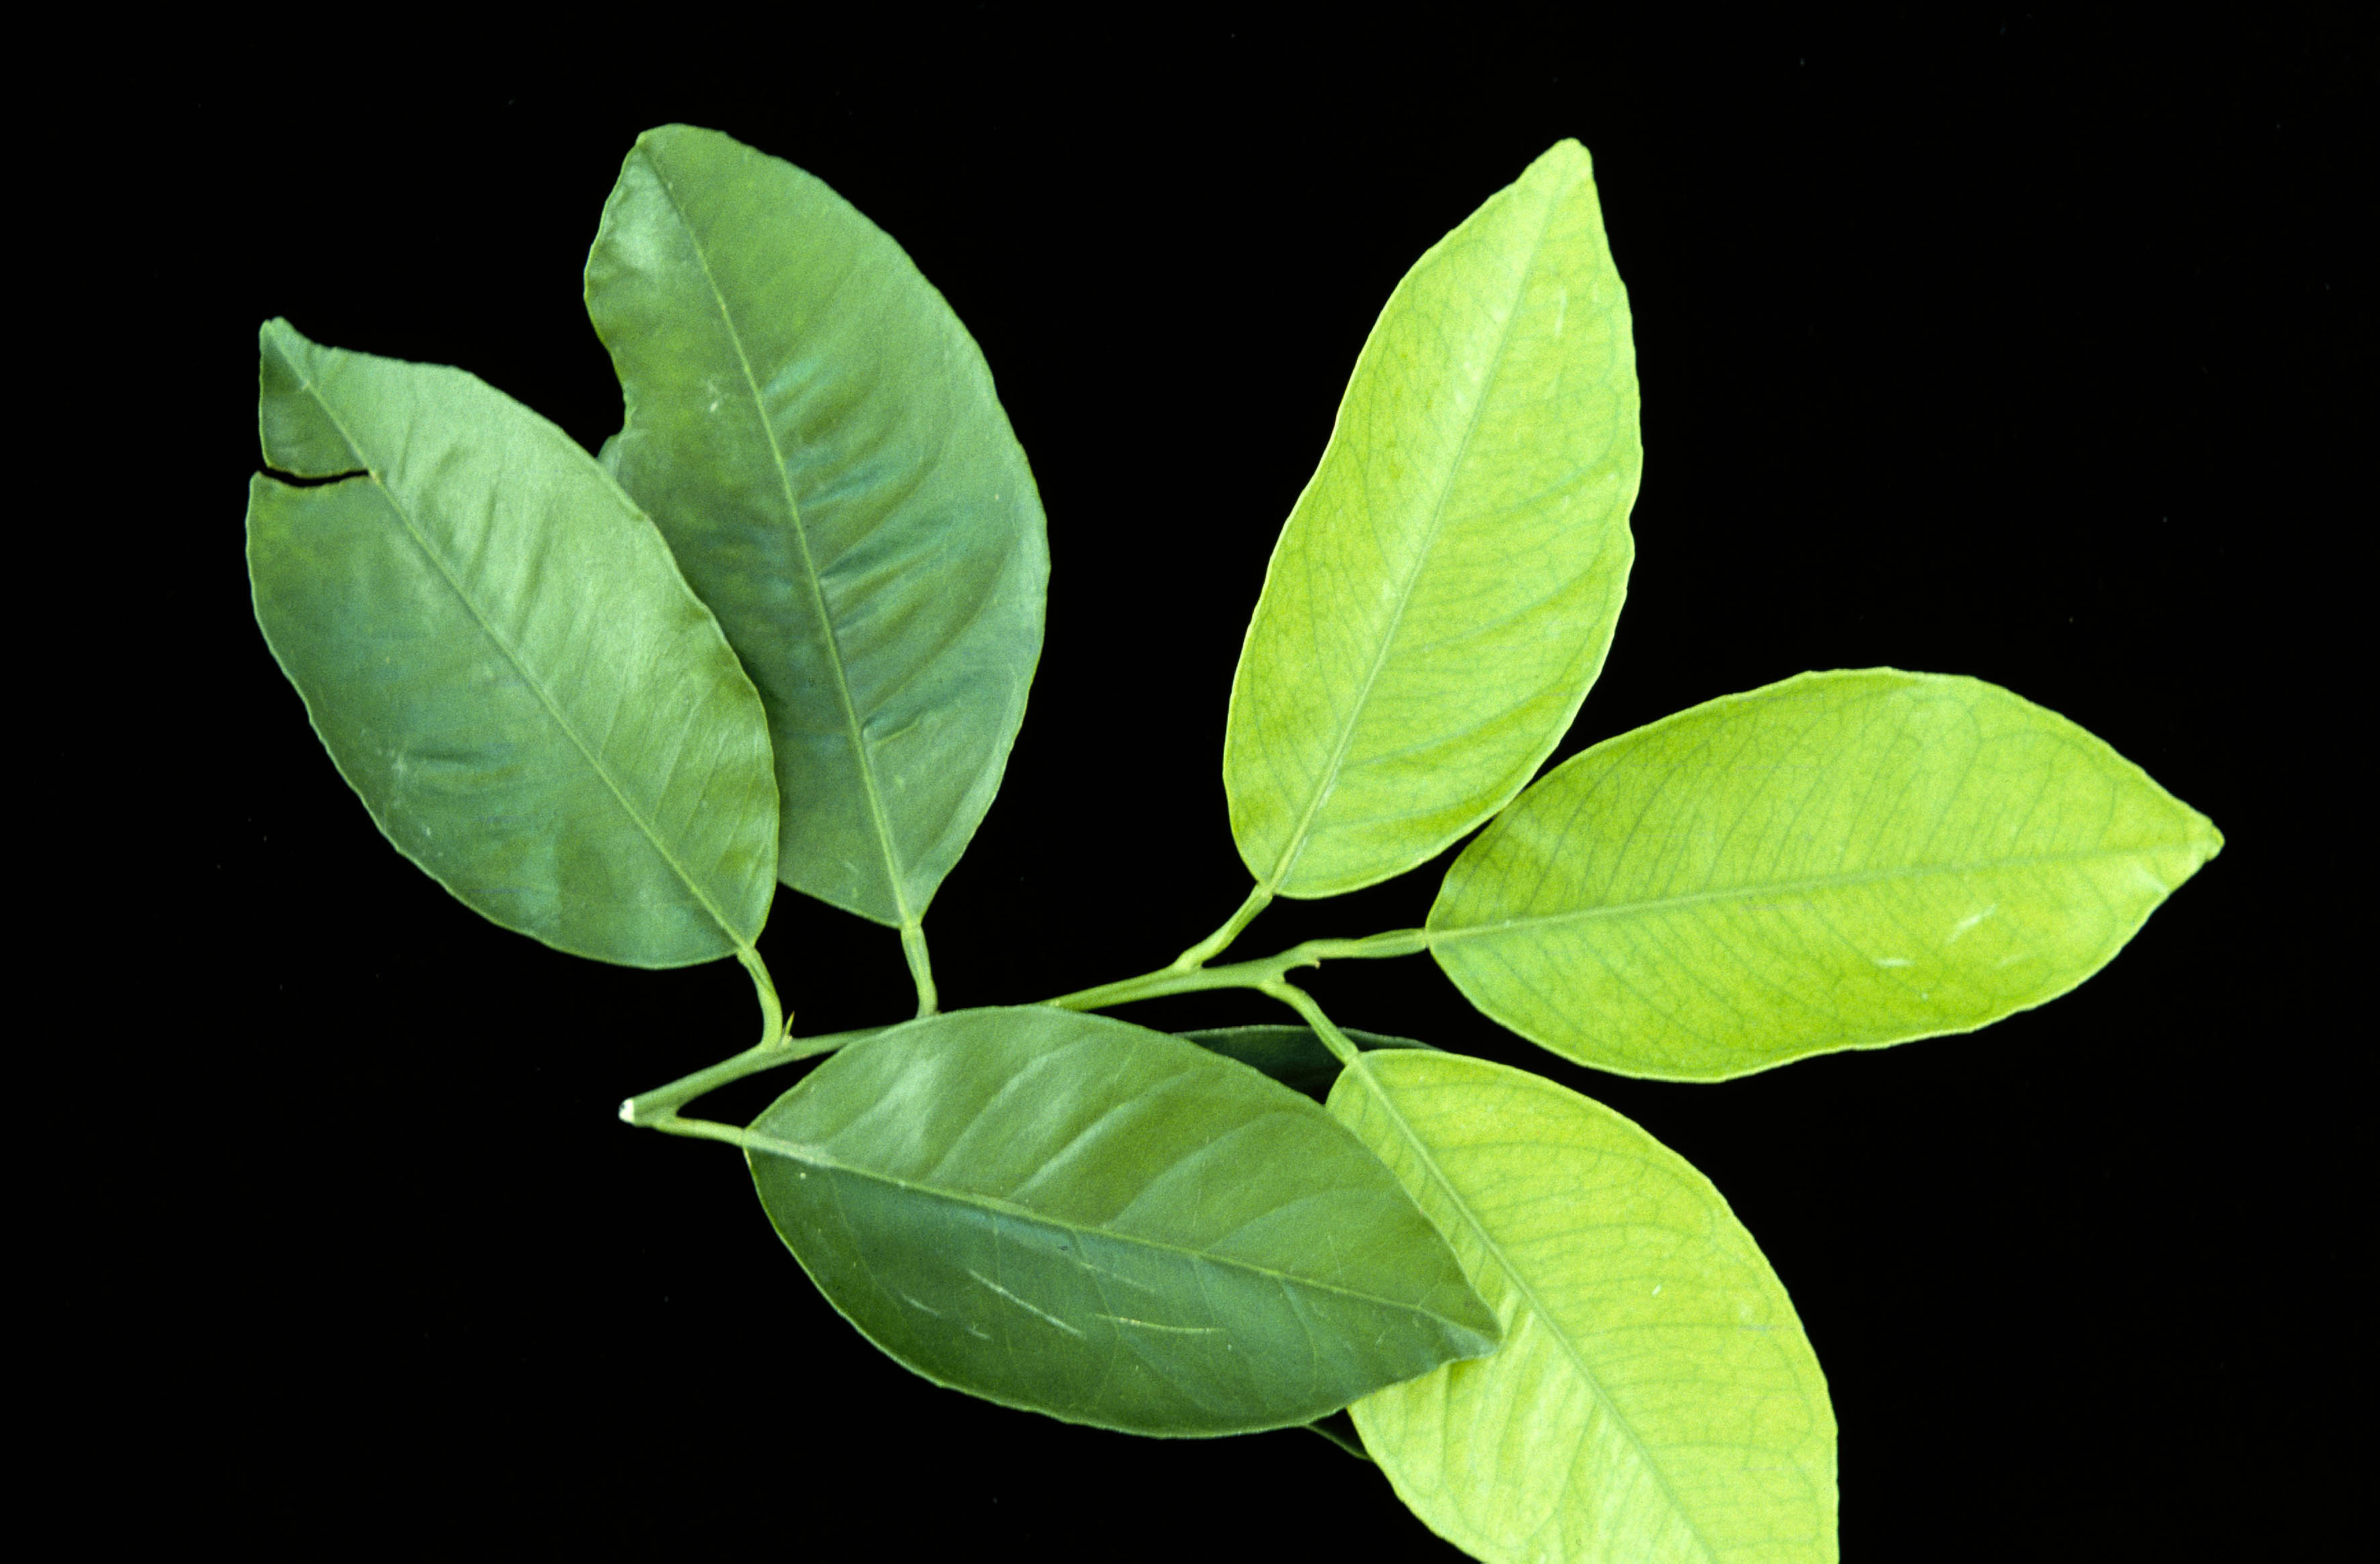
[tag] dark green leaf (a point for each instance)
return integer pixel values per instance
(505, 663)
(1077, 1216)
(818, 437)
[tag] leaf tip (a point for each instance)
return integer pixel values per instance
(295, 430)
(1479, 1341)
(1568, 153)
(277, 335)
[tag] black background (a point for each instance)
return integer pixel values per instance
(1996, 348)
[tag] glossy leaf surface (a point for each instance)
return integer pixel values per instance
(503, 661)
(1291, 1055)
(1655, 1399)
(818, 437)
(1445, 589)
(1842, 860)
(1077, 1216)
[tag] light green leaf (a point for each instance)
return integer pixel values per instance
(1076, 1216)
(1655, 1401)
(1291, 1055)
(1842, 860)
(495, 646)
(817, 436)
(1445, 589)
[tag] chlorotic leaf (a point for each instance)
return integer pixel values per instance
(1655, 1401)
(1080, 1216)
(1291, 1055)
(1842, 860)
(505, 663)
(1445, 589)
(818, 437)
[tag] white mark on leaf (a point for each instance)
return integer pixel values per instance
(1169, 1330)
(1115, 1276)
(1028, 1308)
(1968, 922)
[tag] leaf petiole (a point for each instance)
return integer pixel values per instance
(921, 968)
(1324, 1027)
(1216, 943)
(697, 1129)
(774, 1022)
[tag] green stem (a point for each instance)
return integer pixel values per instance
(1214, 944)
(921, 968)
(657, 1110)
(773, 1019)
(1167, 980)
(1375, 947)
(1177, 979)
(653, 1108)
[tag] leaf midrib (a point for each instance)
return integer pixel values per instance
(1529, 1296)
(892, 870)
(1455, 934)
(818, 1157)
(1330, 778)
(594, 761)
